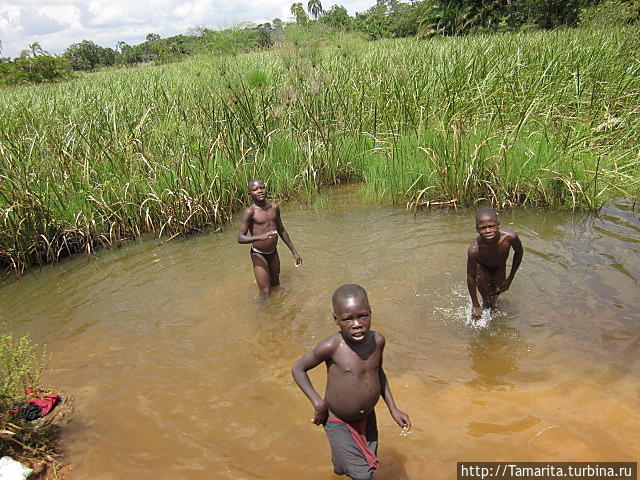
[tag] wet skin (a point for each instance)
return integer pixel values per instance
(487, 261)
(261, 225)
(355, 378)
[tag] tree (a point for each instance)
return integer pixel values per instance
(263, 34)
(129, 55)
(86, 55)
(297, 10)
(337, 17)
(197, 31)
(152, 37)
(36, 49)
(375, 21)
(314, 7)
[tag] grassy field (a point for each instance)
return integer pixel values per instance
(546, 119)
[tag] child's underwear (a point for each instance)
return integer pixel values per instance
(353, 446)
(255, 250)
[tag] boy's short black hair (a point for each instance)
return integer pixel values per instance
(254, 180)
(350, 290)
(486, 212)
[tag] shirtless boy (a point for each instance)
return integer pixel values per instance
(487, 260)
(261, 225)
(355, 382)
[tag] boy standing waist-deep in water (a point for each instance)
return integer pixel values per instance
(261, 225)
(355, 382)
(487, 260)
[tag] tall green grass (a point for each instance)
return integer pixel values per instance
(545, 119)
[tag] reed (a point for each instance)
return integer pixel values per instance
(546, 119)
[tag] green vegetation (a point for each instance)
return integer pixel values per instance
(20, 369)
(40, 69)
(541, 118)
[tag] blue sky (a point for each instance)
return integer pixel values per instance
(56, 24)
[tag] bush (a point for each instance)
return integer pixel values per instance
(18, 366)
(19, 370)
(610, 13)
(230, 41)
(38, 69)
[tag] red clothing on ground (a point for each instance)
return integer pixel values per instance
(46, 403)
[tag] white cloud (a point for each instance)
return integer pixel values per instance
(38, 23)
(56, 24)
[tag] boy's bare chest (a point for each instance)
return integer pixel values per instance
(262, 217)
(348, 362)
(494, 254)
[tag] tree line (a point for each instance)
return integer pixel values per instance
(385, 19)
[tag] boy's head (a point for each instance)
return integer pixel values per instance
(351, 312)
(487, 223)
(257, 189)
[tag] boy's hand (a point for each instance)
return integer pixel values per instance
(269, 235)
(476, 312)
(401, 419)
(298, 259)
(320, 413)
(504, 286)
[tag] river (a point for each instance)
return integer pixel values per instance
(179, 371)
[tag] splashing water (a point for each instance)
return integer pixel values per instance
(481, 322)
(460, 309)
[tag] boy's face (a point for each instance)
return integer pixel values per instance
(353, 316)
(488, 227)
(258, 191)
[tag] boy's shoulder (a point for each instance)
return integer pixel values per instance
(328, 345)
(377, 335)
(474, 250)
(378, 338)
(251, 208)
(509, 234)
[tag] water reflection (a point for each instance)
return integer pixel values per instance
(494, 352)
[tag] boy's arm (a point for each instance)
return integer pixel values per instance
(517, 259)
(244, 229)
(472, 270)
(322, 352)
(285, 237)
(399, 416)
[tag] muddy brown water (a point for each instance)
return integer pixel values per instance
(178, 371)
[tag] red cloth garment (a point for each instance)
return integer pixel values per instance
(45, 404)
(358, 431)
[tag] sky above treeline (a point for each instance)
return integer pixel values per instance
(56, 24)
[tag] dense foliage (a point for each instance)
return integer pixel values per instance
(537, 118)
(37, 69)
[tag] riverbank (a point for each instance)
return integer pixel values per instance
(40, 443)
(541, 118)
(32, 416)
